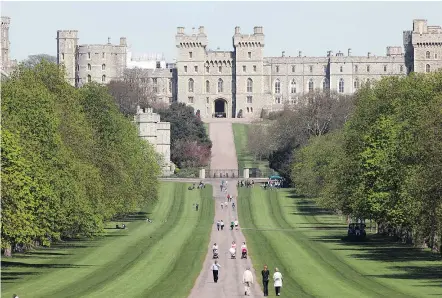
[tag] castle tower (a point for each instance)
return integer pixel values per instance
(427, 46)
(5, 43)
(249, 71)
(190, 66)
(66, 52)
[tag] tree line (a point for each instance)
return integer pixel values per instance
(385, 163)
(70, 159)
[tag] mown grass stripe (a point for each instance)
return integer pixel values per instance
(262, 250)
(188, 265)
(123, 262)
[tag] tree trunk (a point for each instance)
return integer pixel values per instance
(8, 251)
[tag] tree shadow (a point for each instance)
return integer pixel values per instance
(431, 273)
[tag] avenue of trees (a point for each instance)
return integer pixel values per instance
(70, 160)
(190, 143)
(385, 163)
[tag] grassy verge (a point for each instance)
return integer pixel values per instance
(245, 159)
(306, 244)
(124, 263)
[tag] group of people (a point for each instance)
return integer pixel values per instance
(246, 183)
(273, 184)
(226, 204)
(233, 224)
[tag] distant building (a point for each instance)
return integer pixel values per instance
(157, 133)
(7, 65)
(223, 83)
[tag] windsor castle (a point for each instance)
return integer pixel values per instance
(241, 82)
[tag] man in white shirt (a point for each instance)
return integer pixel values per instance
(215, 267)
(247, 279)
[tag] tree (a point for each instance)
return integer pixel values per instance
(34, 60)
(135, 89)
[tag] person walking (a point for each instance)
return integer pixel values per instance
(215, 268)
(196, 207)
(232, 224)
(265, 280)
(218, 224)
(222, 225)
(247, 280)
(222, 205)
(277, 282)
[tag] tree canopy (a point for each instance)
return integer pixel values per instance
(70, 159)
(386, 163)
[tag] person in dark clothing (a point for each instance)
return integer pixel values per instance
(265, 280)
(196, 207)
(215, 267)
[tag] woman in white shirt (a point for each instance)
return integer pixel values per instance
(277, 281)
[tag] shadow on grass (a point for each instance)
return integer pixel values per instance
(416, 272)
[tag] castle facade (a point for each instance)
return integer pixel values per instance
(243, 82)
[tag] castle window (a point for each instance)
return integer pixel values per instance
(325, 85)
(248, 110)
(196, 68)
(341, 86)
(170, 99)
(368, 68)
(356, 84)
(385, 68)
(190, 55)
(311, 68)
(89, 78)
(250, 55)
(207, 86)
(249, 99)
(249, 85)
(62, 56)
(428, 55)
(293, 68)
(170, 86)
(158, 64)
(220, 85)
(427, 68)
(103, 78)
(277, 86)
(103, 55)
(277, 68)
(356, 68)
(254, 68)
(207, 100)
(185, 68)
(251, 109)
(341, 69)
(220, 68)
(190, 99)
(293, 86)
(207, 69)
(103, 66)
(401, 68)
(435, 56)
(244, 68)
(89, 55)
(310, 85)
(77, 67)
(155, 86)
(89, 67)
(278, 99)
(191, 85)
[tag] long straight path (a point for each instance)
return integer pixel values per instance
(231, 271)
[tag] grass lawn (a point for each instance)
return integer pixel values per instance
(306, 244)
(140, 261)
(245, 159)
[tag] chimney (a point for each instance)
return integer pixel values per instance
(349, 52)
(201, 30)
(237, 30)
(108, 40)
(123, 41)
(300, 54)
(369, 54)
(283, 53)
(180, 30)
(257, 30)
(193, 30)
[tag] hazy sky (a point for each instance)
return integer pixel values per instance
(150, 27)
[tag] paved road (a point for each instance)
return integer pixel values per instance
(230, 279)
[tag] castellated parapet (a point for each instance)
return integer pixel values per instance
(157, 133)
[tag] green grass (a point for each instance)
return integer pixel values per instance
(306, 244)
(245, 159)
(137, 262)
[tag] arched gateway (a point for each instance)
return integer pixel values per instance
(220, 108)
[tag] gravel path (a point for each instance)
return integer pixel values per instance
(231, 271)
